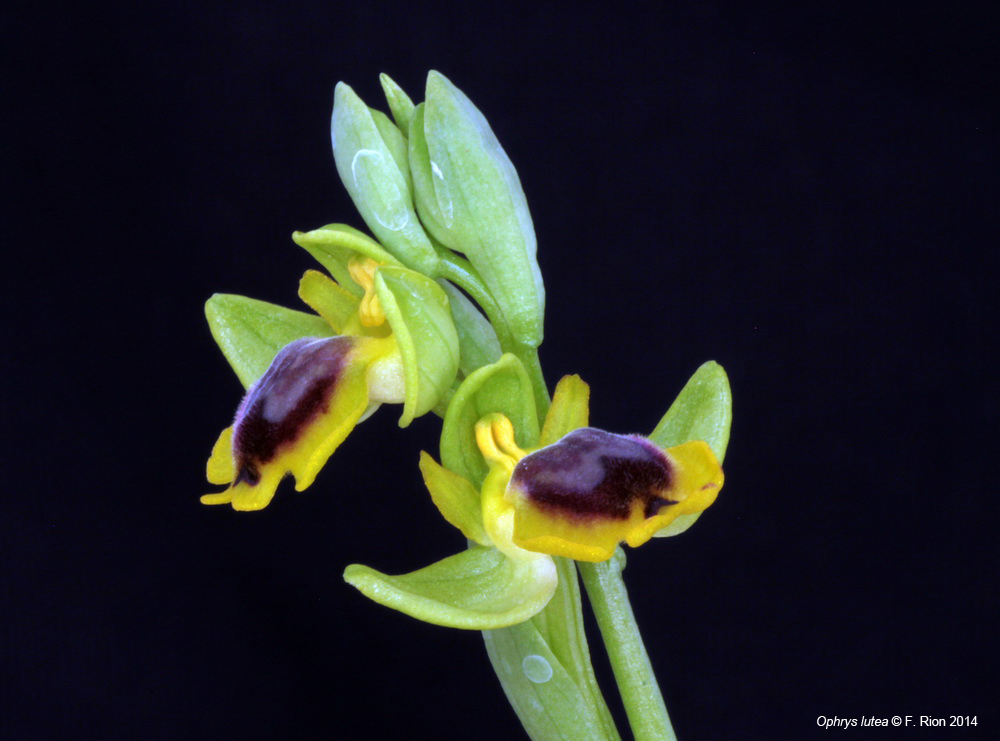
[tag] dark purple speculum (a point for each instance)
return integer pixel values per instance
(592, 474)
(296, 388)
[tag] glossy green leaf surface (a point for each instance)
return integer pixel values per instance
(477, 589)
(418, 312)
(702, 411)
(502, 387)
(251, 332)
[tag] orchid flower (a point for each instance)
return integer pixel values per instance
(578, 493)
(395, 343)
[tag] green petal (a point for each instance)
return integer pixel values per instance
(570, 409)
(399, 102)
(501, 387)
(456, 499)
(327, 299)
(376, 183)
(334, 244)
(477, 340)
(418, 312)
(702, 411)
(478, 589)
(465, 183)
(251, 332)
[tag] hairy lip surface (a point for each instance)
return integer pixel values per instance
(296, 388)
(592, 474)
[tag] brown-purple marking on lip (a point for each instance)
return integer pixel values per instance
(296, 388)
(592, 474)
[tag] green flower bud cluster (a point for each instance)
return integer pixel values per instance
(438, 190)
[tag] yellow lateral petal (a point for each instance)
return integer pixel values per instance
(328, 299)
(456, 498)
(570, 409)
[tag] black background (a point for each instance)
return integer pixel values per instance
(803, 192)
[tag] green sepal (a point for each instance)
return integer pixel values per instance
(502, 387)
(702, 411)
(568, 705)
(456, 498)
(477, 589)
(334, 244)
(570, 409)
(328, 299)
(477, 340)
(399, 102)
(417, 310)
(376, 182)
(471, 200)
(251, 332)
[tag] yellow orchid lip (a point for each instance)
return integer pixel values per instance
(584, 494)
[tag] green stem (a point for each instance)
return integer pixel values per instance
(640, 693)
(461, 272)
(529, 358)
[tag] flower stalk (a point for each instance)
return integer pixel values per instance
(647, 713)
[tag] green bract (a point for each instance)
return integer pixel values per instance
(470, 199)
(369, 167)
(544, 667)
